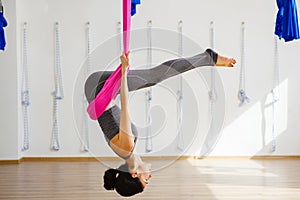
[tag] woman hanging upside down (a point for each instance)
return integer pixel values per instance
(121, 135)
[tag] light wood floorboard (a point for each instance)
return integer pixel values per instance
(185, 179)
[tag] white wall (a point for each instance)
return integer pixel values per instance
(247, 130)
(9, 143)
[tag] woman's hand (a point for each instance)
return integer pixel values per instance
(125, 62)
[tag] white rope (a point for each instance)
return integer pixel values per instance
(58, 94)
(149, 93)
(242, 91)
(275, 94)
(148, 112)
(275, 90)
(212, 98)
(180, 140)
(55, 129)
(212, 92)
(119, 32)
(212, 34)
(85, 131)
(1, 7)
(25, 90)
(89, 48)
(119, 50)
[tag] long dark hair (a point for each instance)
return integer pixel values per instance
(122, 181)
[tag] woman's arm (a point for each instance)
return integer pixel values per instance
(125, 140)
(125, 122)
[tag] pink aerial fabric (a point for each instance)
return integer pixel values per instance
(112, 84)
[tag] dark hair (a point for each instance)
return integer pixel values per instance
(121, 180)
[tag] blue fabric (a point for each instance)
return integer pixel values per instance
(287, 20)
(133, 6)
(3, 23)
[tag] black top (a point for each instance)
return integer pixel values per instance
(109, 122)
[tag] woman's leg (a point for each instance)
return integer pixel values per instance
(138, 79)
(94, 84)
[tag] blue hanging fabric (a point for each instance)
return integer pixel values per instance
(287, 20)
(3, 23)
(133, 6)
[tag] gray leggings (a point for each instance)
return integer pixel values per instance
(138, 79)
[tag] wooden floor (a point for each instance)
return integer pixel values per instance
(184, 179)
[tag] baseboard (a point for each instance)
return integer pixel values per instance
(86, 159)
(263, 157)
(296, 157)
(93, 159)
(10, 162)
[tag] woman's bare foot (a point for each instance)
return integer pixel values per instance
(225, 62)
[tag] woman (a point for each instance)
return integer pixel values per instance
(133, 176)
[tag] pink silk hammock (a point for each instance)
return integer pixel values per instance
(112, 85)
